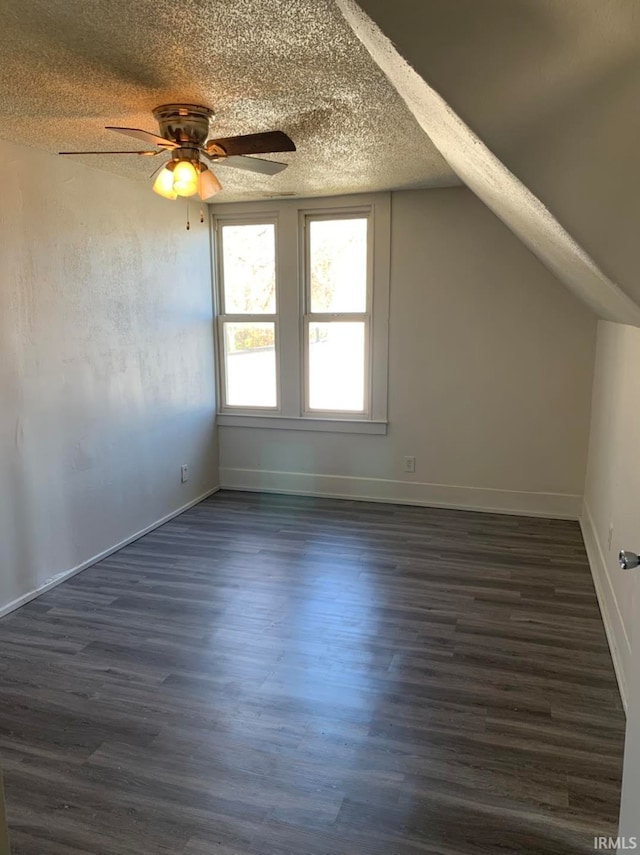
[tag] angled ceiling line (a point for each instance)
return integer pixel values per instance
(494, 184)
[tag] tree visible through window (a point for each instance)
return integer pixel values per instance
(249, 314)
(336, 320)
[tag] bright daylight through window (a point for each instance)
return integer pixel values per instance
(337, 319)
(249, 305)
(297, 338)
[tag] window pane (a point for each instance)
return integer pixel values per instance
(250, 356)
(338, 265)
(249, 269)
(336, 366)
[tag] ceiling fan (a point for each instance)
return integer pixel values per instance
(184, 129)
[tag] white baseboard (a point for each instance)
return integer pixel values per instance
(619, 643)
(67, 574)
(550, 505)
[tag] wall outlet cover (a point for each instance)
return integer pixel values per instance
(409, 464)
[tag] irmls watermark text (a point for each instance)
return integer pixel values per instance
(615, 844)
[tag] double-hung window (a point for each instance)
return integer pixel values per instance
(302, 313)
(248, 320)
(337, 316)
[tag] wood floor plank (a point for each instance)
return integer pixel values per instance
(272, 675)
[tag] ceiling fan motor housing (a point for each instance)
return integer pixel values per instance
(185, 124)
(185, 152)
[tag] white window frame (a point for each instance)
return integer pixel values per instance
(222, 317)
(290, 216)
(336, 317)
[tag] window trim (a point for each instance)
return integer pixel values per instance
(291, 282)
(296, 423)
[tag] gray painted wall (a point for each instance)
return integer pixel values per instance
(106, 364)
(490, 372)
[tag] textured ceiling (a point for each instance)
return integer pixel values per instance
(538, 114)
(70, 67)
(552, 87)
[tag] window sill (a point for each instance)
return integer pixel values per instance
(361, 426)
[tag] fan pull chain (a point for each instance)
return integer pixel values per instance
(188, 223)
(201, 214)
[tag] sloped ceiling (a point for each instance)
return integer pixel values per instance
(535, 103)
(70, 67)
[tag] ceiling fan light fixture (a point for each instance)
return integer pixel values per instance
(184, 131)
(185, 178)
(208, 185)
(163, 185)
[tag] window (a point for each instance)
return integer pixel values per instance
(302, 304)
(336, 322)
(248, 321)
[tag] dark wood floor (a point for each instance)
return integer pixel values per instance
(288, 676)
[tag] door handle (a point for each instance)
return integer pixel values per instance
(628, 560)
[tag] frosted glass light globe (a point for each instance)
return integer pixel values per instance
(185, 178)
(163, 185)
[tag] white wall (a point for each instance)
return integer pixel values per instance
(612, 492)
(106, 364)
(490, 366)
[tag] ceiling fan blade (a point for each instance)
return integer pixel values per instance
(208, 185)
(147, 137)
(253, 164)
(142, 153)
(265, 143)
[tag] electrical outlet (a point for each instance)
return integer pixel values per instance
(408, 464)
(184, 473)
(610, 538)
